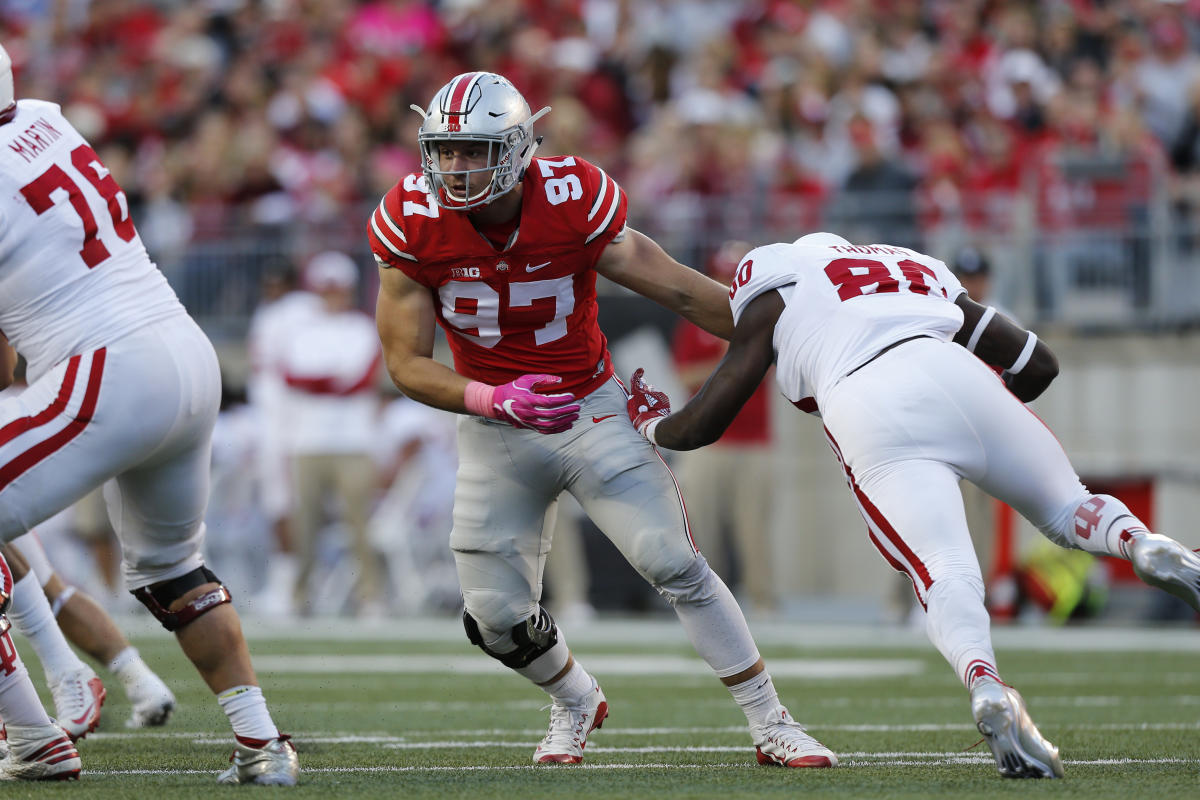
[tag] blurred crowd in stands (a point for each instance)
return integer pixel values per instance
(250, 135)
(217, 114)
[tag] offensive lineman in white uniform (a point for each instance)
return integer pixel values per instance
(878, 341)
(122, 383)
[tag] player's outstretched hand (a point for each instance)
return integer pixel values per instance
(523, 403)
(646, 406)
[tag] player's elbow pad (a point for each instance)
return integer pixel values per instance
(1038, 374)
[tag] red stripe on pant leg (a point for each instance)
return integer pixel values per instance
(896, 565)
(34, 455)
(18, 426)
(877, 517)
(917, 572)
(687, 527)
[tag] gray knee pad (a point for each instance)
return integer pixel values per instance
(533, 637)
(695, 584)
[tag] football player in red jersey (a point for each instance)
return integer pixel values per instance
(502, 250)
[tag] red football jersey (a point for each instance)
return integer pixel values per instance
(529, 307)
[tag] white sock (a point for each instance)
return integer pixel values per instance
(757, 697)
(31, 615)
(129, 668)
(570, 687)
(712, 619)
(958, 624)
(247, 712)
(548, 664)
(1104, 525)
(19, 704)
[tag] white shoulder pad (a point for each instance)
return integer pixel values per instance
(763, 269)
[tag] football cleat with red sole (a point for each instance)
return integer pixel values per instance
(39, 753)
(273, 764)
(781, 741)
(78, 697)
(569, 728)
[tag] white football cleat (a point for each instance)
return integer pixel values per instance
(39, 753)
(569, 728)
(1165, 563)
(152, 702)
(1019, 747)
(78, 696)
(781, 741)
(273, 764)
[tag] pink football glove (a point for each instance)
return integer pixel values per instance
(522, 404)
(646, 405)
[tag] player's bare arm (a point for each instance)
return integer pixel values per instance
(8, 362)
(407, 322)
(708, 414)
(1028, 363)
(638, 263)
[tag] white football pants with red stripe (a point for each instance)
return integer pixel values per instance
(906, 428)
(141, 410)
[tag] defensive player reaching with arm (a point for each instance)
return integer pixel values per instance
(901, 366)
(104, 337)
(502, 250)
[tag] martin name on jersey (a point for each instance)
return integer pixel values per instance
(526, 308)
(843, 305)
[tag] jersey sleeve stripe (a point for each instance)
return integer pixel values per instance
(608, 218)
(600, 195)
(387, 218)
(396, 251)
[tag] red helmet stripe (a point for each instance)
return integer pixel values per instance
(460, 93)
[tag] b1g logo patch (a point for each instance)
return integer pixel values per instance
(464, 272)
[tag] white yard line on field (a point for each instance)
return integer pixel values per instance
(333, 663)
(955, 760)
(521, 737)
(663, 630)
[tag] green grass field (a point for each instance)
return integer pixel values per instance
(408, 709)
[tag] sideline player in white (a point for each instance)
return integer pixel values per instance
(122, 383)
(502, 250)
(878, 341)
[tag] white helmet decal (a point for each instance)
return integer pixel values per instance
(480, 107)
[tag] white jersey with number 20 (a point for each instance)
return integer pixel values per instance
(74, 274)
(844, 303)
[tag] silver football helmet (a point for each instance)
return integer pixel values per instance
(478, 107)
(6, 82)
